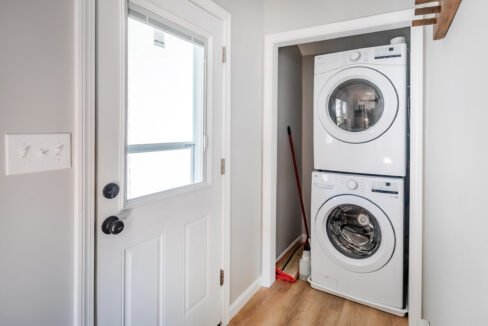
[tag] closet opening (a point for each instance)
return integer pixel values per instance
(363, 232)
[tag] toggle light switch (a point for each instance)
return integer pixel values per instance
(27, 153)
(59, 149)
(43, 151)
(24, 150)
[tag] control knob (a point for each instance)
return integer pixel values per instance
(352, 184)
(354, 56)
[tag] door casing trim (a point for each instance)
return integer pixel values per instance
(84, 163)
(272, 43)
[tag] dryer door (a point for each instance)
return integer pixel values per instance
(355, 233)
(357, 105)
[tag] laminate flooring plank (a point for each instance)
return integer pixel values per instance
(299, 305)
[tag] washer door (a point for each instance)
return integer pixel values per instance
(355, 233)
(357, 105)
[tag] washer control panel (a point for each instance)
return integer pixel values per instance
(344, 183)
(388, 52)
(356, 184)
(355, 55)
(352, 184)
(385, 187)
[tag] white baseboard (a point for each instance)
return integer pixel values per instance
(301, 237)
(241, 301)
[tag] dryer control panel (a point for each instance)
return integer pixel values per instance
(380, 55)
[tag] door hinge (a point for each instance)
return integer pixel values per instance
(222, 166)
(221, 277)
(224, 54)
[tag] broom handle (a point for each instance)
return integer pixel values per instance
(297, 178)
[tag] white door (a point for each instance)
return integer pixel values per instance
(159, 136)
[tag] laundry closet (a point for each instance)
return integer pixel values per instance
(346, 103)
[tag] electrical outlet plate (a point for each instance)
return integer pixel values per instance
(29, 153)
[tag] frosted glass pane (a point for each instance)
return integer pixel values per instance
(165, 84)
(165, 109)
(153, 172)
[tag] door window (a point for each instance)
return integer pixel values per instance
(356, 105)
(353, 231)
(165, 107)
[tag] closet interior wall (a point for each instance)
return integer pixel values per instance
(288, 213)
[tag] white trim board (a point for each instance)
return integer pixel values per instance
(84, 165)
(84, 158)
(370, 24)
(244, 298)
(416, 176)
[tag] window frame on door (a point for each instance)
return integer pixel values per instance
(202, 129)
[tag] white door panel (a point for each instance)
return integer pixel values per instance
(163, 268)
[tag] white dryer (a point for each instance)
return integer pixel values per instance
(358, 240)
(360, 113)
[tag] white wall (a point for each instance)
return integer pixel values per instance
(283, 15)
(456, 161)
(247, 54)
(36, 210)
(288, 212)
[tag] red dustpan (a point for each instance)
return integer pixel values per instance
(287, 266)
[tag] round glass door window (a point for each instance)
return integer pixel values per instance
(353, 231)
(356, 105)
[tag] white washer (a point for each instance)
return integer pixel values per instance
(357, 239)
(360, 111)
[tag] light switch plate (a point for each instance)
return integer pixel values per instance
(28, 153)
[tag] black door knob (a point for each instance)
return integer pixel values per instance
(112, 225)
(111, 190)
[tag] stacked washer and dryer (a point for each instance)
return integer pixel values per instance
(360, 162)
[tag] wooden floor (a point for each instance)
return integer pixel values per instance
(298, 304)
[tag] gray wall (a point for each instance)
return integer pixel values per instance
(247, 53)
(456, 159)
(283, 15)
(36, 210)
(288, 212)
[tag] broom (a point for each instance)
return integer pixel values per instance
(288, 271)
(306, 244)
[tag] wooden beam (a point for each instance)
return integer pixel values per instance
(427, 10)
(423, 22)
(445, 17)
(421, 2)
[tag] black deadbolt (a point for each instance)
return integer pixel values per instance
(112, 225)
(111, 190)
